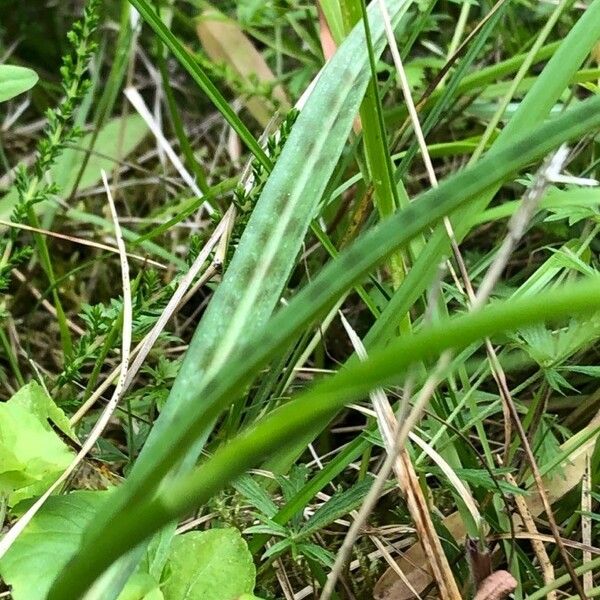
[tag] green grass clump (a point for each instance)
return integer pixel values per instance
(457, 240)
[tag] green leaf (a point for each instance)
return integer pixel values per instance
(15, 80)
(157, 553)
(131, 129)
(267, 251)
(47, 543)
(277, 548)
(545, 443)
(33, 397)
(209, 565)
(557, 382)
(481, 478)
(257, 496)
(337, 506)
(269, 527)
(32, 455)
(592, 371)
(317, 553)
(142, 586)
(558, 202)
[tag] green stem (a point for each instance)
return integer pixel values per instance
(560, 581)
(190, 160)
(12, 359)
(46, 261)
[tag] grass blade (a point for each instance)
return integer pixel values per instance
(273, 237)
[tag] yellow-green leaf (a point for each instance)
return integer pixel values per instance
(15, 80)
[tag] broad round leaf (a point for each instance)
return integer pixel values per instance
(48, 543)
(209, 565)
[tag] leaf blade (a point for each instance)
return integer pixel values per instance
(15, 80)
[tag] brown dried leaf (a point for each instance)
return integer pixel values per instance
(496, 587)
(224, 42)
(415, 565)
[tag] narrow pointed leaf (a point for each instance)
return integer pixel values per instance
(272, 239)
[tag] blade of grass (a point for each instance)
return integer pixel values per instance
(389, 196)
(273, 237)
(268, 248)
(46, 262)
(192, 164)
(292, 420)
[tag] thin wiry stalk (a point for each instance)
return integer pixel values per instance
(586, 521)
(537, 545)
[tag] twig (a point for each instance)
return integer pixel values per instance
(586, 521)
(536, 544)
